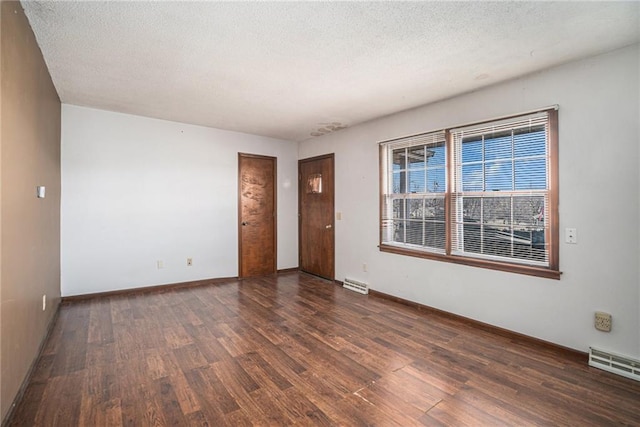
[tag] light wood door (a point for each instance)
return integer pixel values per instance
(256, 215)
(316, 207)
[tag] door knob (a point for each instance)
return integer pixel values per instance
(327, 226)
(245, 223)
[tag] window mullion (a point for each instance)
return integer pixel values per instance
(511, 223)
(513, 163)
(424, 225)
(484, 164)
(449, 188)
(481, 225)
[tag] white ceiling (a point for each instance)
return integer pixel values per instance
(285, 69)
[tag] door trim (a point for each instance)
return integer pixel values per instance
(333, 208)
(275, 209)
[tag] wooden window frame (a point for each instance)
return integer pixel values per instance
(552, 271)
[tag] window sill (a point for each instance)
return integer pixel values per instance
(474, 262)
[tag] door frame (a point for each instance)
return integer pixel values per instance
(275, 209)
(333, 208)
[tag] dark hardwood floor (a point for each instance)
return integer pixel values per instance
(295, 349)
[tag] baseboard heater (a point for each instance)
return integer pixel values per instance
(356, 286)
(621, 365)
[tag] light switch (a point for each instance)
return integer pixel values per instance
(571, 235)
(338, 216)
(40, 190)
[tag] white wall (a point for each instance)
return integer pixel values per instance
(599, 195)
(137, 190)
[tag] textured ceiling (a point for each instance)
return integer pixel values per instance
(285, 69)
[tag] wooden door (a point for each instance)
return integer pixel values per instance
(316, 207)
(256, 215)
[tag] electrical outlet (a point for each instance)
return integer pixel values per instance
(364, 267)
(189, 262)
(602, 321)
(44, 302)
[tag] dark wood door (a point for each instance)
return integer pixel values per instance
(316, 206)
(256, 215)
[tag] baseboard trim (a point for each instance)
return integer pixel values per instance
(159, 288)
(306, 273)
(567, 352)
(148, 289)
(27, 378)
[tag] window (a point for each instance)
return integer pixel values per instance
(484, 194)
(417, 190)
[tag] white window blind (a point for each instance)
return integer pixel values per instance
(500, 196)
(414, 188)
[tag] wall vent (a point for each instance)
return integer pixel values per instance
(356, 286)
(621, 365)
